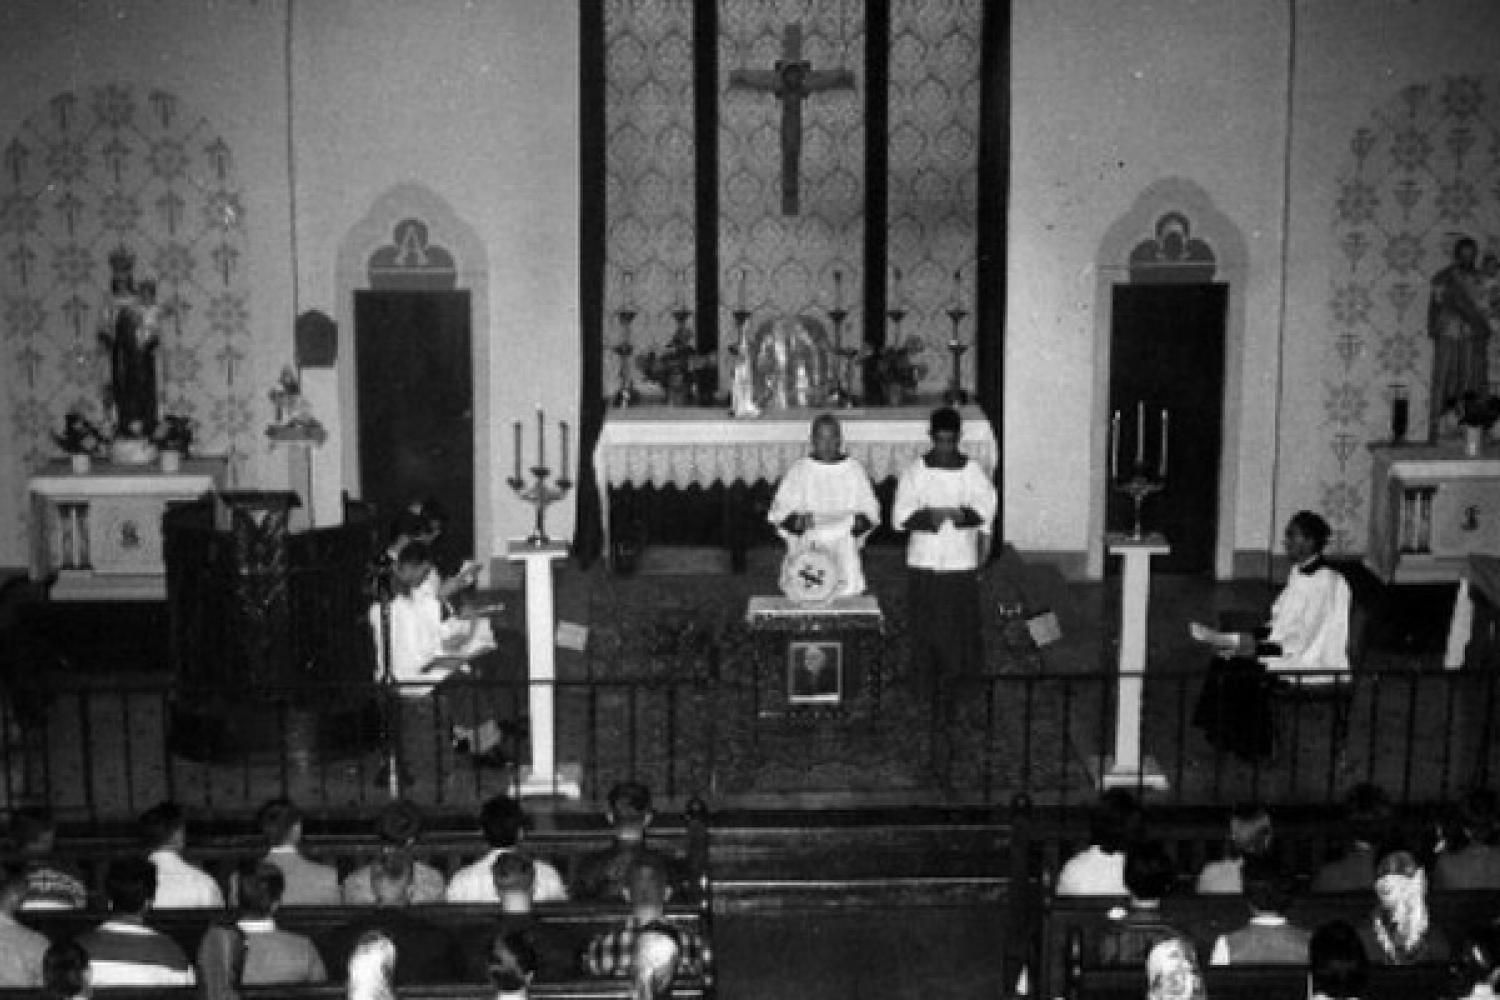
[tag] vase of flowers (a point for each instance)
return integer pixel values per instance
(173, 437)
(898, 371)
(683, 373)
(1476, 416)
(81, 440)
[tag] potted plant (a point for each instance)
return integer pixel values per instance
(1476, 415)
(898, 370)
(81, 439)
(173, 437)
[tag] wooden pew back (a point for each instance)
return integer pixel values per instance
(1265, 982)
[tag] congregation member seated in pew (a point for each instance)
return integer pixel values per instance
(503, 824)
(1472, 861)
(1477, 969)
(307, 882)
(1172, 971)
(1099, 869)
(512, 965)
(179, 885)
(1269, 938)
(272, 956)
(514, 876)
(221, 961)
(65, 972)
(1399, 930)
(648, 891)
(123, 951)
(371, 969)
(658, 955)
(1249, 837)
(50, 884)
(21, 948)
(602, 875)
(1368, 822)
(1337, 966)
(1132, 933)
(429, 953)
(398, 827)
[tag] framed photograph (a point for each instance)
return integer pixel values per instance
(814, 672)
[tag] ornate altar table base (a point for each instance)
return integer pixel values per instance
(680, 446)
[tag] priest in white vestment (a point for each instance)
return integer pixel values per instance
(826, 501)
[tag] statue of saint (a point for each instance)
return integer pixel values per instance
(1460, 332)
(131, 331)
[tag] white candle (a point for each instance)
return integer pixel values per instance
(564, 466)
(1140, 434)
(1161, 466)
(541, 438)
(740, 296)
(1114, 445)
(518, 449)
(958, 291)
(627, 296)
(896, 290)
(838, 289)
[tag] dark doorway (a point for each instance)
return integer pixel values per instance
(416, 404)
(1167, 351)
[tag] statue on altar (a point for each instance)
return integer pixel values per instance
(130, 332)
(791, 363)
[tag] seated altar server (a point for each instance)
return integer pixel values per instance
(825, 501)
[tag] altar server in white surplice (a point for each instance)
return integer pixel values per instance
(826, 501)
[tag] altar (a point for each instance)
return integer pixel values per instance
(1431, 507)
(99, 532)
(683, 446)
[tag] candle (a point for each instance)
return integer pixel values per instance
(518, 449)
(1114, 445)
(628, 295)
(1140, 434)
(541, 438)
(565, 470)
(1161, 464)
(740, 296)
(896, 290)
(838, 289)
(958, 291)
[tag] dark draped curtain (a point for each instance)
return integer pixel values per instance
(588, 536)
(994, 189)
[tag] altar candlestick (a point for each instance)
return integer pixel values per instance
(541, 438)
(1140, 433)
(1114, 445)
(563, 474)
(838, 289)
(518, 449)
(1161, 467)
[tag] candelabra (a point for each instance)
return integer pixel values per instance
(955, 394)
(842, 391)
(627, 394)
(1138, 487)
(542, 496)
(742, 385)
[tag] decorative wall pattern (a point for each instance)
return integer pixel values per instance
(649, 170)
(1423, 170)
(934, 172)
(90, 173)
(789, 262)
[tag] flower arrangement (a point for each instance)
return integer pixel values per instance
(81, 436)
(678, 367)
(1479, 411)
(294, 419)
(897, 366)
(174, 433)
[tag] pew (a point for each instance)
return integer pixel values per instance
(1264, 982)
(580, 989)
(1070, 926)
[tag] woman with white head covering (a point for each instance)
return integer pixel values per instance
(1400, 931)
(372, 968)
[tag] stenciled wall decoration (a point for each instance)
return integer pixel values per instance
(1422, 171)
(95, 171)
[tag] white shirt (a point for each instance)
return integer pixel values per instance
(1226, 877)
(1220, 954)
(1310, 619)
(475, 883)
(180, 886)
(1092, 872)
(950, 548)
(834, 492)
(417, 635)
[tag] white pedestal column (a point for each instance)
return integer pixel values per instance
(1127, 767)
(545, 777)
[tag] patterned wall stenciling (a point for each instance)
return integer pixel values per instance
(649, 170)
(1424, 169)
(117, 166)
(934, 171)
(789, 262)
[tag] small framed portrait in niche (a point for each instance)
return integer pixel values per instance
(814, 672)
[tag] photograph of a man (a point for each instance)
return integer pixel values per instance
(814, 669)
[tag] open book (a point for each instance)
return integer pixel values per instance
(1221, 641)
(467, 637)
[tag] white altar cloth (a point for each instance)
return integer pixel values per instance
(681, 446)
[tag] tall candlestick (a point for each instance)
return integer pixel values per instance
(1114, 445)
(1161, 464)
(1140, 433)
(518, 449)
(541, 438)
(838, 289)
(563, 474)
(739, 300)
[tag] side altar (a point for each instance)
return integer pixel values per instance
(1431, 507)
(100, 532)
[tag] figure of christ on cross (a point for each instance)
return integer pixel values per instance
(791, 82)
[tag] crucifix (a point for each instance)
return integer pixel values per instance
(791, 82)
